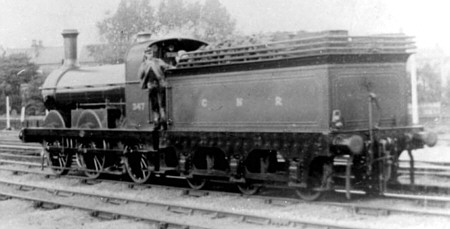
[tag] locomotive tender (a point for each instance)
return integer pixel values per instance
(318, 112)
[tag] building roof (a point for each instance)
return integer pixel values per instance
(48, 55)
(42, 55)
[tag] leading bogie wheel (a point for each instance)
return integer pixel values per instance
(59, 161)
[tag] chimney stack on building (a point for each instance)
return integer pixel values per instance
(143, 37)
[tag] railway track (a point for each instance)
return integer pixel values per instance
(29, 156)
(424, 168)
(421, 167)
(424, 205)
(31, 153)
(100, 213)
(170, 208)
(35, 161)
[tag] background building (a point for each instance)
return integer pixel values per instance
(49, 58)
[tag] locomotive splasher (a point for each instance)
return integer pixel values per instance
(320, 111)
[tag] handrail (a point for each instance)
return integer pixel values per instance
(84, 86)
(325, 44)
(227, 58)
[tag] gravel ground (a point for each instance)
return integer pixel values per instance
(21, 214)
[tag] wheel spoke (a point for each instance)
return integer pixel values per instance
(96, 163)
(92, 163)
(58, 161)
(61, 162)
(143, 164)
(143, 168)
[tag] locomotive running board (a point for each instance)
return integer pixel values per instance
(39, 134)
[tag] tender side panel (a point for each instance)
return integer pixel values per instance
(352, 85)
(287, 100)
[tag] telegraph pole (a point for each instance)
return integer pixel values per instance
(414, 102)
(8, 109)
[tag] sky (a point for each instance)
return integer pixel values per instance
(22, 21)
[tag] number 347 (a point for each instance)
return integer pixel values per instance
(138, 106)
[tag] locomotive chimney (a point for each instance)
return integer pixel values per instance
(143, 37)
(70, 47)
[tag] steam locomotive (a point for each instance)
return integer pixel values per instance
(317, 112)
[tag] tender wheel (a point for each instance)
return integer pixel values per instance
(137, 165)
(248, 188)
(311, 193)
(308, 194)
(196, 183)
(59, 162)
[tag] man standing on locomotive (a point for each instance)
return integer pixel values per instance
(151, 73)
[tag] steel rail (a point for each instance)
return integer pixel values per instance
(422, 200)
(408, 188)
(434, 166)
(72, 169)
(19, 156)
(246, 218)
(436, 163)
(437, 189)
(39, 202)
(29, 164)
(400, 187)
(21, 146)
(429, 201)
(402, 171)
(427, 173)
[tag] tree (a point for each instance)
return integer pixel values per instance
(32, 100)
(172, 15)
(17, 70)
(120, 29)
(209, 22)
(428, 84)
(216, 23)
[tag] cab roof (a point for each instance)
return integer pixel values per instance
(186, 44)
